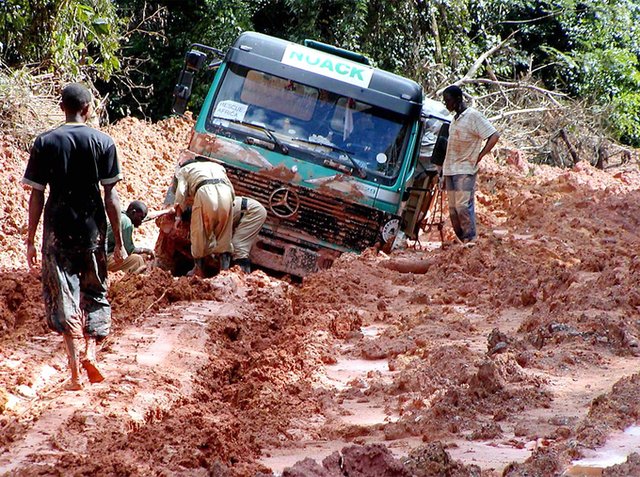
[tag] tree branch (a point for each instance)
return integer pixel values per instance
(518, 111)
(513, 84)
(482, 58)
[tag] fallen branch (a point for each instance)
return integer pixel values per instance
(407, 265)
(518, 111)
(572, 150)
(483, 57)
(516, 85)
(139, 317)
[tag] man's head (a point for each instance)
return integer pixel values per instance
(453, 97)
(76, 100)
(137, 211)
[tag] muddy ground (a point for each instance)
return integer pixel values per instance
(515, 357)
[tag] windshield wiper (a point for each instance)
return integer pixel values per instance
(283, 148)
(361, 173)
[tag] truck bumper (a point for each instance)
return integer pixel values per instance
(291, 258)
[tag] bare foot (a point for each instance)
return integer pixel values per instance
(94, 374)
(73, 386)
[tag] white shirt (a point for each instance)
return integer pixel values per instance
(467, 135)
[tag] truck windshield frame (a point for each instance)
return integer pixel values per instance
(316, 125)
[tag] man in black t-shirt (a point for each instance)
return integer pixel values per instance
(73, 160)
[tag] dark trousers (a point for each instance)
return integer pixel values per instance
(74, 286)
(461, 190)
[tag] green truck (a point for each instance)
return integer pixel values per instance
(326, 142)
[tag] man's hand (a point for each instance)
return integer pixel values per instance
(178, 219)
(491, 141)
(32, 255)
(119, 254)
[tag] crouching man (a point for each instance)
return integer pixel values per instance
(248, 217)
(136, 262)
(205, 186)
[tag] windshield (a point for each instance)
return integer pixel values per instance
(315, 125)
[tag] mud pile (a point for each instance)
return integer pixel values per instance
(13, 204)
(431, 460)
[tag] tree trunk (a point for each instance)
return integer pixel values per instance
(603, 156)
(572, 150)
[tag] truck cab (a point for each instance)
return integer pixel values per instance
(326, 142)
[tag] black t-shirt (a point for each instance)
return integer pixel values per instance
(73, 160)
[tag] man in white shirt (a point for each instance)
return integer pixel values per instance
(471, 137)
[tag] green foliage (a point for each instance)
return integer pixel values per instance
(625, 117)
(588, 48)
(85, 39)
(160, 32)
(135, 48)
(603, 63)
(77, 39)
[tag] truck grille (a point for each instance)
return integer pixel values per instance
(344, 225)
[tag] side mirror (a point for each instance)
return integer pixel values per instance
(182, 92)
(193, 62)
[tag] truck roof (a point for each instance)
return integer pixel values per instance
(328, 68)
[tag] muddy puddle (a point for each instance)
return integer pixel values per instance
(619, 446)
(346, 373)
(488, 455)
(371, 415)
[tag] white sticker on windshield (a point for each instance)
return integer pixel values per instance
(231, 110)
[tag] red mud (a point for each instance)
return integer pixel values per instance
(521, 348)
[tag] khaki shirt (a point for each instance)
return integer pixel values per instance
(189, 176)
(467, 136)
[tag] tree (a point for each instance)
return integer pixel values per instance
(76, 39)
(157, 38)
(588, 48)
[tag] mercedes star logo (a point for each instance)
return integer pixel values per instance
(284, 202)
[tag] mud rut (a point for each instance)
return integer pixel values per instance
(150, 366)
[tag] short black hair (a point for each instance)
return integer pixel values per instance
(138, 205)
(75, 96)
(454, 91)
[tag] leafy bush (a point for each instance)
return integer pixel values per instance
(75, 39)
(625, 118)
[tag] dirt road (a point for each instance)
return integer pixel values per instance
(516, 356)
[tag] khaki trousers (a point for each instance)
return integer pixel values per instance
(247, 224)
(211, 220)
(134, 263)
